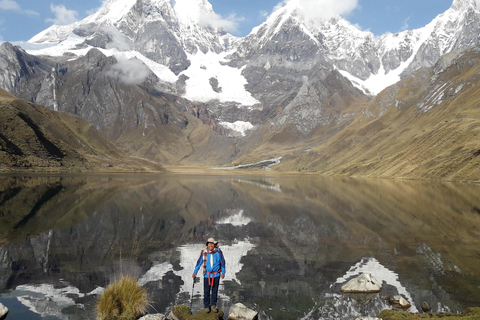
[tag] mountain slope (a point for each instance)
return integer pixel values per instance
(35, 138)
(162, 82)
(124, 101)
(426, 126)
(371, 64)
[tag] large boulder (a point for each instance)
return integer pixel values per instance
(3, 311)
(364, 283)
(240, 312)
(426, 307)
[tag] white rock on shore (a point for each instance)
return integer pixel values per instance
(157, 316)
(3, 311)
(240, 312)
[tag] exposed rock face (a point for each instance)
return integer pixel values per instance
(240, 312)
(137, 116)
(21, 74)
(32, 136)
(365, 283)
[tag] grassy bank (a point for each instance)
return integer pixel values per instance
(469, 314)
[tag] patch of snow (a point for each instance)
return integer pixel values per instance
(238, 126)
(111, 11)
(205, 66)
(53, 34)
(68, 45)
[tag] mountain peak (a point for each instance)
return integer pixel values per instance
(464, 4)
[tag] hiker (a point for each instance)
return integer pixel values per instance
(213, 264)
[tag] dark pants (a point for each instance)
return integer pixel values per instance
(210, 299)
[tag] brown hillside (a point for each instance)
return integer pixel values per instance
(33, 138)
(424, 127)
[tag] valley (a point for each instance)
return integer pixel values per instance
(155, 88)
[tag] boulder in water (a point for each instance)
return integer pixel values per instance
(241, 312)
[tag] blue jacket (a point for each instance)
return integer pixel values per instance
(218, 263)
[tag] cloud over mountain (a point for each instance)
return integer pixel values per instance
(63, 16)
(129, 71)
(322, 9)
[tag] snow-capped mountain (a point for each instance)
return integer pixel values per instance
(371, 64)
(177, 42)
(144, 65)
(181, 36)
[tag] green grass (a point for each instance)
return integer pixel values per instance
(183, 313)
(122, 300)
(470, 314)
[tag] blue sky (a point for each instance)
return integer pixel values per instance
(22, 19)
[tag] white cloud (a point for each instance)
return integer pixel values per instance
(323, 9)
(10, 5)
(129, 71)
(31, 13)
(212, 19)
(264, 14)
(478, 4)
(405, 25)
(118, 40)
(63, 16)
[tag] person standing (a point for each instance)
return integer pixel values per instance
(213, 262)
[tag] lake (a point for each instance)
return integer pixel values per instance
(290, 242)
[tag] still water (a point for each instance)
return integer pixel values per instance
(290, 242)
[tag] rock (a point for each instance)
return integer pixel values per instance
(426, 307)
(156, 316)
(367, 318)
(365, 283)
(3, 311)
(241, 312)
(399, 302)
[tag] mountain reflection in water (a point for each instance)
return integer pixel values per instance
(290, 242)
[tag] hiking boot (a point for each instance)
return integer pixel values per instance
(207, 310)
(214, 309)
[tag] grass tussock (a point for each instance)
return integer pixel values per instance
(122, 300)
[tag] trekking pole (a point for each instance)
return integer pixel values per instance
(191, 299)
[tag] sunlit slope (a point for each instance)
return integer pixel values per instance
(35, 138)
(425, 127)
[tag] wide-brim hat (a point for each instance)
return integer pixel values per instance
(211, 240)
